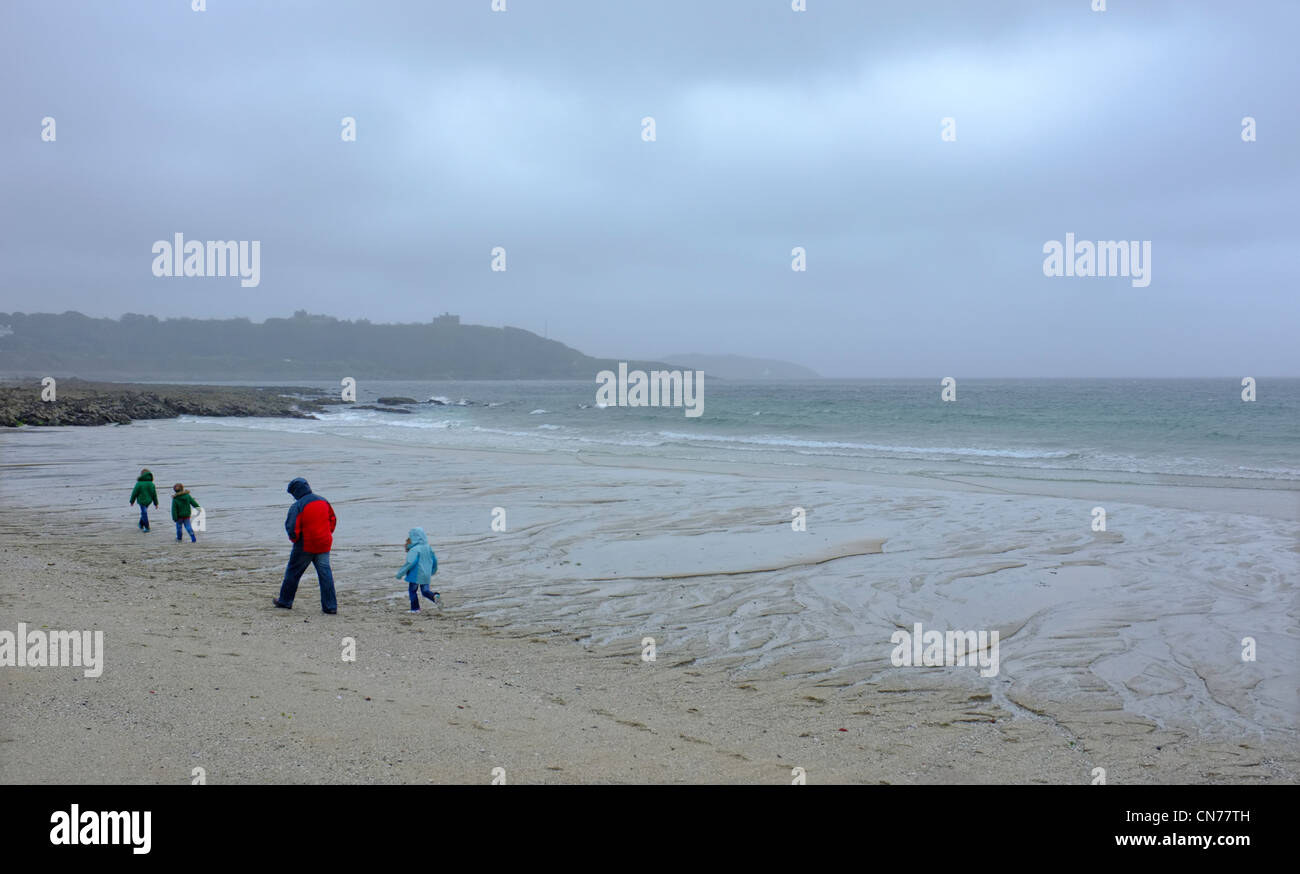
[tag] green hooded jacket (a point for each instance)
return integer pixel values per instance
(144, 492)
(181, 503)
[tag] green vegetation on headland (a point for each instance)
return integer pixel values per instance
(318, 348)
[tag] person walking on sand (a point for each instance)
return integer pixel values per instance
(144, 494)
(310, 526)
(182, 501)
(421, 564)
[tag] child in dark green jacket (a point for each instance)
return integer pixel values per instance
(144, 494)
(182, 501)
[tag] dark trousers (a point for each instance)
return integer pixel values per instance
(144, 516)
(423, 590)
(186, 523)
(298, 561)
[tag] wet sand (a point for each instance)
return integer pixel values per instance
(1119, 649)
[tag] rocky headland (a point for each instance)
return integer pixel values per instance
(80, 402)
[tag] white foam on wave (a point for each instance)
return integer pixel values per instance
(438, 425)
(296, 426)
(796, 443)
(1272, 472)
(533, 436)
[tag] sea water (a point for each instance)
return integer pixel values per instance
(1111, 430)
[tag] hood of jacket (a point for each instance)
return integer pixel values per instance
(417, 538)
(298, 488)
(182, 493)
(145, 476)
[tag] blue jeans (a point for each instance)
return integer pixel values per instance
(186, 523)
(144, 516)
(415, 599)
(298, 561)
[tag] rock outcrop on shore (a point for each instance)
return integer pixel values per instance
(78, 402)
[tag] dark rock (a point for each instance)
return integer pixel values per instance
(101, 403)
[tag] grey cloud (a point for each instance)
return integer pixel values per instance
(776, 129)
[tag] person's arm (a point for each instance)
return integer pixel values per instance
(412, 557)
(291, 523)
(333, 519)
(435, 561)
(134, 491)
(192, 501)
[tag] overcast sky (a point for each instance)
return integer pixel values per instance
(775, 129)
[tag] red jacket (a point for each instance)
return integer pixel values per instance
(315, 526)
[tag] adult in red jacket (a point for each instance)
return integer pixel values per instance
(310, 526)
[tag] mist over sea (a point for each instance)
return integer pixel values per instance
(1129, 430)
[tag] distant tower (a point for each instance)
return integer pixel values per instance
(446, 320)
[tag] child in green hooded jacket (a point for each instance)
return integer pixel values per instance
(182, 501)
(144, 494)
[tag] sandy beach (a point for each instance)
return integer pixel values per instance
(1119, 650)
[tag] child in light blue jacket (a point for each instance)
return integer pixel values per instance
(421, 565)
